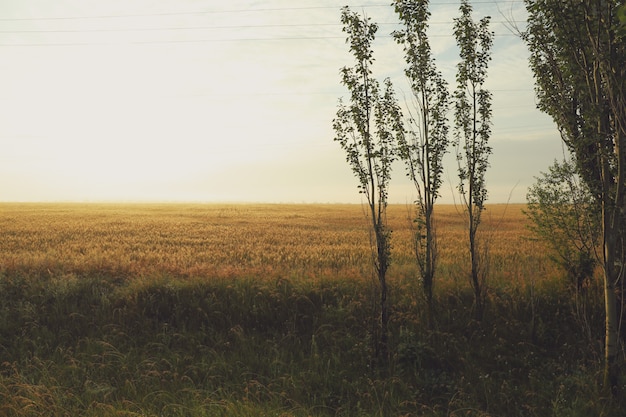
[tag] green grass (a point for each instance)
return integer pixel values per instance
(167, 347)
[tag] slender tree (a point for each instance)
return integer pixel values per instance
(472, 131)
(426, 141)
(578, 56)
(367, 130)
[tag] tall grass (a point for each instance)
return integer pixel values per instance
(171, 310)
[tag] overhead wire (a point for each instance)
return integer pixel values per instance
(197, 28)
(150, 29)
(196, 12)
(204, 40)
(220, 27)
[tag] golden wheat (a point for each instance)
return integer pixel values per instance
(261, 240)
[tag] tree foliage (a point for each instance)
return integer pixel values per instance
(578, 57)
(472, 114)
(564, 213)
(367, 129)
(620, 27)
(426, 141)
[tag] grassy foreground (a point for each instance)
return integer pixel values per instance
(247, 310)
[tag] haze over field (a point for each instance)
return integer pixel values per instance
(223, 101)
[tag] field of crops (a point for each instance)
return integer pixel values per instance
(288, 241)
(246, 310)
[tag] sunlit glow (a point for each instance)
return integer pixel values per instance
(233, 106)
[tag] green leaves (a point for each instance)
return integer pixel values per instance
(578, 59)
(368, 128)
(620, 28)
(361, 32)
(426, 141)
(473, 106)
(564, 213)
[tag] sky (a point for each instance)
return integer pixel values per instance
(213, 101)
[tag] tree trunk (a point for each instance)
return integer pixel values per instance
(382, 241)
(612, 232)
(429, 265)
(476, 279)
(611, 371)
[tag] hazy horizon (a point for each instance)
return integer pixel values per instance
(196, 102)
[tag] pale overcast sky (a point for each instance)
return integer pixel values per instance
(202, 100)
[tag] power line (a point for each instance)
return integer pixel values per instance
(168, 28)
(221, 27)
(198, 12)
(215, 40)
(175, 41)
(176, 28)
(195, 28)
(168, 41)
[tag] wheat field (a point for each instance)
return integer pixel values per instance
(254, 240)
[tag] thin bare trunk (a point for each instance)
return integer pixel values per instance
(610, 299)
